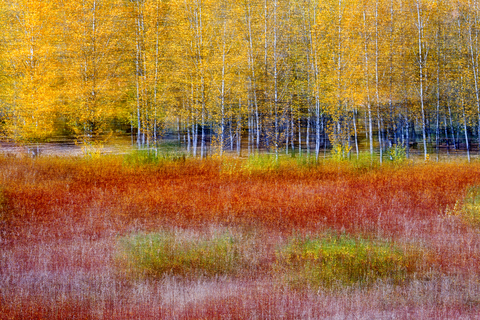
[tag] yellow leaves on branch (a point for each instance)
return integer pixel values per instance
(91, 63)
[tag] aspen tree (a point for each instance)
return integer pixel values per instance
(301, 72)
(276, 138)
(323, 62)
(251, 33)
(421, 12)
(463, 66)
(473, 53)
(223, 73)
(30, 66)
(379, 64)
(194, 23)
(295, 73)
(276, 74)
(366, 35)
(440, 67)
(311, 39)
(399, 69)
(377, 81)
(407, 70)
(149, 40)
(5, 80)
(336, 57)
(94, 67)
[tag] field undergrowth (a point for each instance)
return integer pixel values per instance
(140, 237)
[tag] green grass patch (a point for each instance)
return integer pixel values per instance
(169, 253)
(332, 260)
(141, 157)
(269, 163)
(261, 163)
(469, 209)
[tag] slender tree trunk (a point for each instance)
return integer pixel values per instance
(251, 133)
(473, 39)
(446, 133)
(292, 128)
(452, 126)
(155, 84)
(355, 130)
(275, 78)
(239, 128)
(195, 137)
(299, 137)
(407, 133)
(437, 131)
(377, 98)
(380, 140)
(307, 137)
(367, 85)
(287, 135)
(466, 131)
(252, 76)
(188, 135)
(266, 95)
(317, 127)
(464, 114)
(137, 86)
(222, 116)
(422, 75)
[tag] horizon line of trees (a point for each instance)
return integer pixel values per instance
(286, 76)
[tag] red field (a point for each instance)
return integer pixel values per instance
(61, 220)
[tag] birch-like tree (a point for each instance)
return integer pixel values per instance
(30, 64)
(94, 65)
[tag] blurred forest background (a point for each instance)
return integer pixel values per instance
(293, 76)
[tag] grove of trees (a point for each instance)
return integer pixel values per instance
(286, 76)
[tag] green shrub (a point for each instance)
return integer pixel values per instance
(260, 163)
(306, 161)
(397, 153)
(157, 254)
(340, 260)
(141, 157)
(469, 209)
(364, 162)
(230, 166)
(340, 152)
(268, 163)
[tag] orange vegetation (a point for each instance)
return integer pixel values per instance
(195, 193)
(60, 219)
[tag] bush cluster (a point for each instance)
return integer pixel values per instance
(334, 259)
(165, 253)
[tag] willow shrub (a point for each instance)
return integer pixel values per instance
(469, 209)
(332, 259)
(139, 158)
(165, 253)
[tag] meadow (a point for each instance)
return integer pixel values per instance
(139, 236)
